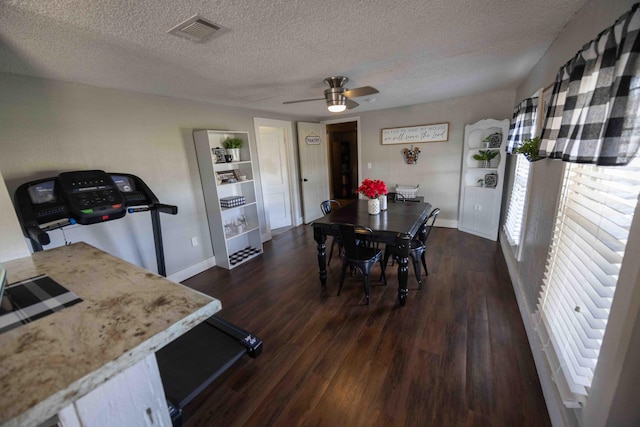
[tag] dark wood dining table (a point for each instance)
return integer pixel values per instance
(397, 225)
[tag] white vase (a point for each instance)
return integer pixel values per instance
(373, 206)
(383, 202)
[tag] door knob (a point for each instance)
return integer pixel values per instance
(305, 179)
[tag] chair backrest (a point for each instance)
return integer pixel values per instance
(354, 238)
(425, 230)
(395, 197)
(326, 206)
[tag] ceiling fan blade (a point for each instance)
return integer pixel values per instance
(351, 104)
(303, 100)
(360, 91)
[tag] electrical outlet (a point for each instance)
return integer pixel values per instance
(194, 241)
(369, 165)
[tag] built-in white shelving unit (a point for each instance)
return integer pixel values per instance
(235, 231)
(480, 203)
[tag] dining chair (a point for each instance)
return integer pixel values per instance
(358, 254)
(395, 197)
(326, 208)
(418, 246)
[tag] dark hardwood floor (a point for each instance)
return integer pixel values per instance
(455, 355)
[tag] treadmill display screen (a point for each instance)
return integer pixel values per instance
(124, 183)
(43, 192)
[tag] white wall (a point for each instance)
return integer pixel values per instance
(609, 402)
(12, 244)
(439, 164)
(49, 127)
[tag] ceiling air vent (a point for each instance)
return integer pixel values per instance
(196, 29)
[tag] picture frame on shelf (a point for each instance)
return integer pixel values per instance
(491, 180)
(494, 140)
(226, 177)
(219, 154)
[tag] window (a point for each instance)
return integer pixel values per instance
(514, 222)
(595, 212)
(525, 124)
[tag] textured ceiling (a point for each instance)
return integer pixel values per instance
(268, 52)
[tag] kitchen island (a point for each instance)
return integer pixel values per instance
(69, 362)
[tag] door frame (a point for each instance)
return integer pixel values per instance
(358, 139)
(292, 165)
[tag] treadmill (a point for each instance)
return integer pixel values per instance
(194, 360)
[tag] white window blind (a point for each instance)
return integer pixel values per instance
(525, 124)
(592, 226)
(515, 213)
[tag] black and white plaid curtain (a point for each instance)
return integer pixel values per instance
(522, 124)
(593, 116)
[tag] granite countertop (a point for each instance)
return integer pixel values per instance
(126, 314)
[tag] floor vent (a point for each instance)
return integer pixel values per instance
(196, 29)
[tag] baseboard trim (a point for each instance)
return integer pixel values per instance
(193, 270)
(447, 223)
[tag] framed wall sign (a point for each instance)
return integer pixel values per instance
(437, 132)
(312, 139)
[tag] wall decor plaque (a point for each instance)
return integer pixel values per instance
(437, 132)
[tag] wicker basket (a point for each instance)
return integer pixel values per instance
(408, 192)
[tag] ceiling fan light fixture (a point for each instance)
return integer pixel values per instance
(336, 101)
(338, 97)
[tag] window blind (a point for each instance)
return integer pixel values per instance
(523, 125)
(592, 226)
(515, 213)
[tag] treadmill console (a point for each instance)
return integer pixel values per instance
(91, 196)
(43, 198)
(80, 197)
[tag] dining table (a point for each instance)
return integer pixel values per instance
(396, 225)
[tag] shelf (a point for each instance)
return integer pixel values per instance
(244, 255)
(475, 139)
(230, 165)
(232, 235)
(479, 211)
(229, 249)
(235, 183)
(237, 207)
(480, 188)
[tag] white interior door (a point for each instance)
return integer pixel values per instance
(272, 155)
(314, 168)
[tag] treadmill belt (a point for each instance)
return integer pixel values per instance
(194, 360)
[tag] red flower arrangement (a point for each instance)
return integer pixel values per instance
(372, 188)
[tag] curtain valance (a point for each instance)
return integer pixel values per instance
(522, 123)
(593, 115)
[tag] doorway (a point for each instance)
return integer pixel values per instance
(278, 172)
(342, 139)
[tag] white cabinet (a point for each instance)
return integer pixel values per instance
(230, 198)
(481, 186)
(133, 398)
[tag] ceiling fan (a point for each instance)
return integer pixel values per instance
(338, 97)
